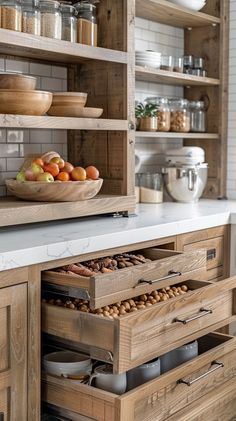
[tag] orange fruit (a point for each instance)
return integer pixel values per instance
(52, 168)
(63, 176)
(78, 174)
(92, 172)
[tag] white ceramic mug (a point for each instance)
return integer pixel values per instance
(105, 379)
(143, 373)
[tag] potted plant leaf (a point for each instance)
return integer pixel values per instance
(146, 115)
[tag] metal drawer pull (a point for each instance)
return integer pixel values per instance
(171, 274)
(189, 383)
(202, 312)
(211, 254)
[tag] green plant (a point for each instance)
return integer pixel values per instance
(147, 110)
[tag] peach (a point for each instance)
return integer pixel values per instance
(52, 168)
(68, 167)
(59, 161)
(78, 174)
(92, 172)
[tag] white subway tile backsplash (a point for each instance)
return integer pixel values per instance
(51, 84)
(6, 175)
(3, 164)
(39, 136)
(14, 164)
(17, 136)
(58, 147)
(30, 150)
(3, 136)
(9, 150)
(2, 64)
(59, 72)
(40, 69)
(17, 66)
(59, 136)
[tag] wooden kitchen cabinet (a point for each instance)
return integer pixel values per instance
(216, 242)
(20, 344)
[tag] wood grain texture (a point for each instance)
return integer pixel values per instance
(123, 284)
(32, 46)
(146, 74)
(15, 211)
(170, 135)
(72, 123)
(171, 14)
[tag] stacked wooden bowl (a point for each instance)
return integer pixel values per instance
(72, 104)
(18, 95)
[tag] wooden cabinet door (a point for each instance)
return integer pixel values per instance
(13, 353)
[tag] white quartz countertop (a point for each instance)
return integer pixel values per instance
(38, 243)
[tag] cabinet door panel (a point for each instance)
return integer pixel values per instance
(13, 352)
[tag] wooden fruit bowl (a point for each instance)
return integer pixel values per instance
(57, 191)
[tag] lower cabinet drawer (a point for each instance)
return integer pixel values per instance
(159, 328)
(165, 397)
(219, 405)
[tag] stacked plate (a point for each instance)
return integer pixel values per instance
(148, 59)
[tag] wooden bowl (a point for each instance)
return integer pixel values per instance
(17, 81)
(74, 111)
(57, 191)
(77, 99)
(14, 101)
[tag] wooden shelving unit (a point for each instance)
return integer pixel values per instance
(69, 123)
(206, 34)
(170, 135)
(171, 14)
(146, 74)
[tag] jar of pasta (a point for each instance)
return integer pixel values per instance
(11, 14)
(180, 116)
(50, 19)
(31, 17)
(86, 23)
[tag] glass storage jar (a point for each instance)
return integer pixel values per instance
(11, 14)
(50, 19)
(31, 17)
(151, 188)
(180, 116)
(163, 115)
(198, 116)
(167, 63)
(86, 23)
(188, 64)
(69, 23)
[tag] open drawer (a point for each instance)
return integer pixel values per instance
(158, 399)
(165, 268)
(144, 334)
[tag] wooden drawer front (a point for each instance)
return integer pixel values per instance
(219, 405)
(214, 248)
(162, 327)
(158, 399)
(122, 284)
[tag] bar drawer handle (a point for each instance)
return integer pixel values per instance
(171, 274)
(211, 254)
(202, 312)
(212, 370)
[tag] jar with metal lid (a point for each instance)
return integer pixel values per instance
(198, 116)
(50, 19)
(180, 116)
(31, 17)
(86, 23)
(69, 23)
(163, 113)
(11, 14)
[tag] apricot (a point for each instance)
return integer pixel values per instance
(52, 168)
(92, 172)
(78, 174)
(63, 176)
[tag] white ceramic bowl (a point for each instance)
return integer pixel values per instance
(192, 5)
(66, 363)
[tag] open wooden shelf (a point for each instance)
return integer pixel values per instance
(70, 123)
(146, 74)
(37, 47)
(172, 135)
(171, 14)
(15, 211)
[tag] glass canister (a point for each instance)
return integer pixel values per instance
(86, 23)
(11, 14)
(50, 19)
(163, 115)
(180, 116)
(31, 17)
(69, 23)
(198, 116)
(151, 188)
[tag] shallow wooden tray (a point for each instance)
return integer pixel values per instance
(70, 191)
(74, 110)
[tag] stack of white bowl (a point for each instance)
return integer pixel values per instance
(148, 59)
(193, 4)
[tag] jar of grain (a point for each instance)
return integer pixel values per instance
(86, 23)
(31, 17)
(180, 116)
(69, 23)
(50, 19)
(11, 14)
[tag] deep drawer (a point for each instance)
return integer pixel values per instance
(214, 248)
(167, 268)
(162, 327)
(158, 399)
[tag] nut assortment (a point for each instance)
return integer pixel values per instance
(180, 122)
(121, 308)
(163, 121)
(104, 265)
